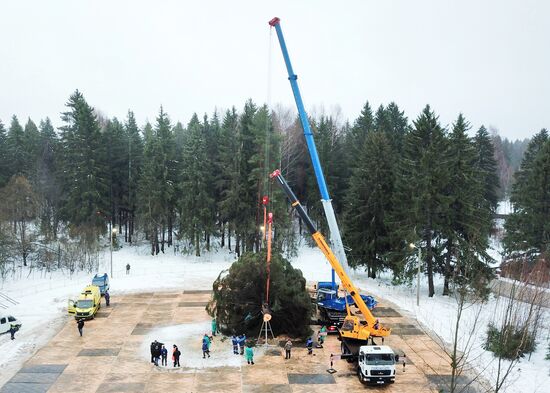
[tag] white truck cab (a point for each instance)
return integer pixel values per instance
(376, 364)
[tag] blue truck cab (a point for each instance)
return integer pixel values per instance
(101, 281)
(332, 309)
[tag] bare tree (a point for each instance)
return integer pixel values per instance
(20, 207)
(516, 324)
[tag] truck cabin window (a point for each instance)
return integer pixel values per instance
(11, 319)
(379, 358)
(85, 304)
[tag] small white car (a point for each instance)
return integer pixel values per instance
(6, 321)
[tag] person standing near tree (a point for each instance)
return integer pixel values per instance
(249, 354)
(309, 345)
(80, 326)
(288, 348)
(214, 327)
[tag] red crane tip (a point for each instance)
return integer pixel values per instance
(275, 173)
(274, 21)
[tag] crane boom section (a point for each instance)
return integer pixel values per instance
(335, 236)
(323, 246)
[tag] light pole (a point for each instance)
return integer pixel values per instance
(112, 232)
(413, 246)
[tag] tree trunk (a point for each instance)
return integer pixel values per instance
(170, 230)
(163, 237)
(197, 244)
(229, 237)
(222, 231)
(450, 248)
(238, 245)
(429, 264)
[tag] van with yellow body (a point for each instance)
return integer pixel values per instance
(88, 303)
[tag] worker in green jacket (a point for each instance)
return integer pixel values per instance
(249, 354)
(214, 327)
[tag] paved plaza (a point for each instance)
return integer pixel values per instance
(110, 357)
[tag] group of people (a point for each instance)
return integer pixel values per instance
(159, 352)
(241, 348)
(238, 343)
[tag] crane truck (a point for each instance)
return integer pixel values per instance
(332, 308)
(376, 364)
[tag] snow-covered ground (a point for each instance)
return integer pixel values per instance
(42, 308)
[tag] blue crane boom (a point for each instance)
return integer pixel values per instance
(325, 198)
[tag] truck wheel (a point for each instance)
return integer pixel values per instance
(360, 376)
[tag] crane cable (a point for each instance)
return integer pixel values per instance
(267, 183)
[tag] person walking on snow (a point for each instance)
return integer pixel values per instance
(309, 345)
(288, 348)
(12, 330)
(205, 348)
(163, 356)
(249, 354)
(235, 345)
(80, 326)
(176, 356)
(107, 298)
(214, 327)
(127, 268)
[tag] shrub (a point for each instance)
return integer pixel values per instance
(510, 342)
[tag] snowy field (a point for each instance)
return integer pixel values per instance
(42, 306)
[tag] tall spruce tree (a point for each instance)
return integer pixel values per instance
(149, 197)
(135, 162)
(228, 176)
(48, 179)
(528, 228)
(32, 148)
(421, 200)
(4, 156)
(18, 156)
(196, 183)
(486, 167)
(368, 203)
(85, 180)
(465, 229)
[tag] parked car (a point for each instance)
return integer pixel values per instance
(101, 281)
(6, 321)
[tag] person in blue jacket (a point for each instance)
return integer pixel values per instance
(241, 340)
(205, 348)
(163, 356)
(107, 298)
(309, 345)
(235, 345)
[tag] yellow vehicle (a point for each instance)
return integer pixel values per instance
(88, 303)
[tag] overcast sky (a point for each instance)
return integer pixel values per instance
(487, 59)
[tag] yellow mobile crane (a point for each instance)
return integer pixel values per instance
(354, 332)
